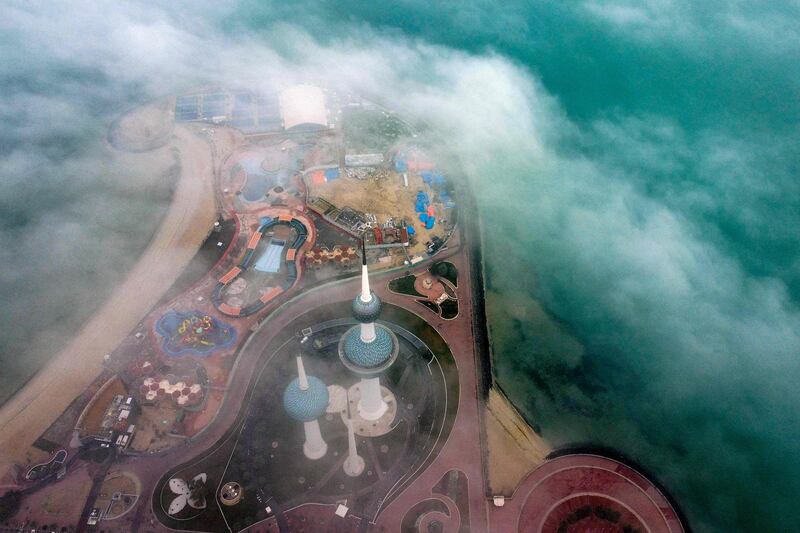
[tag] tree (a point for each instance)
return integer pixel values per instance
(9, 504)
(198, 492)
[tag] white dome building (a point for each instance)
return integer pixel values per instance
(303, 108)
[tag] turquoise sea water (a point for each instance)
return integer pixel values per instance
(642, 249)
(636, 166)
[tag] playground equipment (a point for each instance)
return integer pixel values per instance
(183, 391)
(193, 332)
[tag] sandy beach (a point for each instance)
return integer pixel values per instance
(187, 223)
(514, 449)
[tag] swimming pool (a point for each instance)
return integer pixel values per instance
(270, 260)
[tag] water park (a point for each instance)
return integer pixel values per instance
(261, 173)
(268, 267)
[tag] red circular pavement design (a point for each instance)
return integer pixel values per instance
(589, 513)
(557, 494)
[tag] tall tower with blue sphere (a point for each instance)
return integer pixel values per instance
(305, 400)
(368, 349)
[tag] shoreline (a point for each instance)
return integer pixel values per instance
(40, 401)
(513, 449)
(505, 432)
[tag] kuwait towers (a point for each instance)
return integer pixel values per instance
(368, 349)
(305, 400)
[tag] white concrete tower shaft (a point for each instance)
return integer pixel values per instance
(371, 406)
(302, 379)
(354, 464)
(315, 446)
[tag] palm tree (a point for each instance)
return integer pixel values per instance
(9, 504)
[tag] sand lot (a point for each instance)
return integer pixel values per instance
(514, 448)
(58, 503)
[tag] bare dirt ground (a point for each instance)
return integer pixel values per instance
(59, 503)
(144, 128)
(96, 410)
(152, 427)
(514, 449)
(187, 223)
(123, 483)
(386, 197)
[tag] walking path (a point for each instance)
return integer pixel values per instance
(463, 448)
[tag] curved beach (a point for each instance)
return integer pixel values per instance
(191, 215)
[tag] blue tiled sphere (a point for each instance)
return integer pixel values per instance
(366, 312)
(306, 405)
(372, 354)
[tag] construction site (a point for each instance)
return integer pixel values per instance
(348, 161)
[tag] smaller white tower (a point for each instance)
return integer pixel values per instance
(354, 464)
(305, 399)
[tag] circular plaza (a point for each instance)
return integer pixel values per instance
(581, 493)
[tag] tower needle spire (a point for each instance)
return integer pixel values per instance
(366, 295)
(301, 374)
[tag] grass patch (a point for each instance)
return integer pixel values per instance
(371, 130)
(449, 309)
(430, 305)
(405, 285)
(446, 270)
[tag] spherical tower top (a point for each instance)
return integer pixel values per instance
(368, 348)
(369, 311)
(307, 404)
(369, 354)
